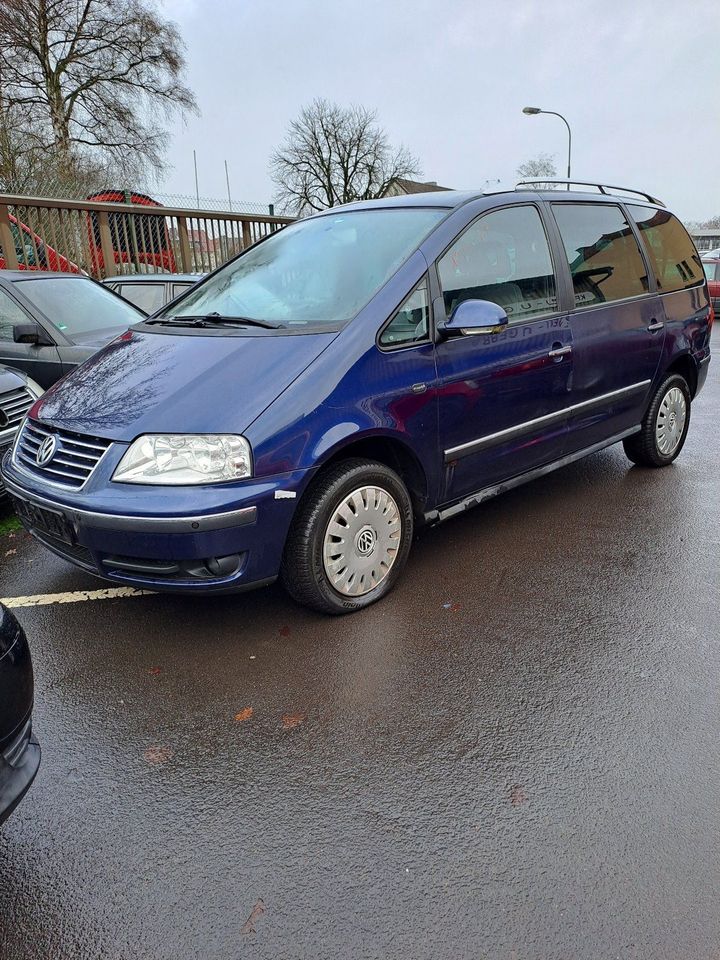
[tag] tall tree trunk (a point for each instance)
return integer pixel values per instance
(58, 114)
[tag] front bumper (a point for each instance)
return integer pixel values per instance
(18, 766)
(235, 543)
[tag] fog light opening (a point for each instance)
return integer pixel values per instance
(224, 566)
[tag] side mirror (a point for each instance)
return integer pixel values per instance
(31, 333)
(475, 317)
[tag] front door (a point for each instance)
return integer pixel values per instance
(42, 364)
(502, 397)
(616, 323)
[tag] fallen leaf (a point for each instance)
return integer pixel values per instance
(244, 714)
(154, 671)
(292, 720)
(517, 796)
(158, 754)
(257, 911)
(253, 657)
(284, 631)
(9, 553)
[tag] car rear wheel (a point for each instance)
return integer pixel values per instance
(664, 427)
(350, 538)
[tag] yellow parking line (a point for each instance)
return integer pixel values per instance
(76, 596)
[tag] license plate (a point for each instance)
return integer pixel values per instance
(45, 521)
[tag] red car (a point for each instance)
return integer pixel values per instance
(135, 239)
(33, 253)
(711, 266)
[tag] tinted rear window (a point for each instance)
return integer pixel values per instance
(710, 268)
(602, 252)
(673, 256)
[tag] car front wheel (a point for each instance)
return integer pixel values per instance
(350, 538)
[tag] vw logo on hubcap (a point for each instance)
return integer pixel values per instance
(365, 542)
(46, 451)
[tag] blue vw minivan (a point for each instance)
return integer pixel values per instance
(382, 365)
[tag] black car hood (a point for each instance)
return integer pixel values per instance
(97, 338)
(10, 379)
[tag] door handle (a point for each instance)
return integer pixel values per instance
(655, 326)
(557, 353)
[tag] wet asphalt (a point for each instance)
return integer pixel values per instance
(516, 755)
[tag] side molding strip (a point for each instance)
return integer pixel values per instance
(437, 516)
(475, 446)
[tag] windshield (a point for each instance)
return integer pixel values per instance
(320, 271)
(709, 268)
(78, 306)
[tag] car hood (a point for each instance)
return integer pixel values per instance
(174, 383)
(94, 339)
(10, 379)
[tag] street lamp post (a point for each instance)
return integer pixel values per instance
(532, 111)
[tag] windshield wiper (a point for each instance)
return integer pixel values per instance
(215, 319)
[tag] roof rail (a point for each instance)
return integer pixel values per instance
(602, 187)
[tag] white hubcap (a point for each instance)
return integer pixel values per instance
(362, 541)
(670, 423)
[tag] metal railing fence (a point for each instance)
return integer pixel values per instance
(106, 239)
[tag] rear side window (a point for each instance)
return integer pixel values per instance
(673, 256)
(503, 257)
(710, 269)
(148, 296)
(602, 253)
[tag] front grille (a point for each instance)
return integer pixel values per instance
(14, 404)
(74, 460)
(3, 450)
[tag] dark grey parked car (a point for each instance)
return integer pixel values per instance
(17, 394)
(51, 322)
(150, 291)
(19, 750)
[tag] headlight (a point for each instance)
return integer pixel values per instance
(175, 459)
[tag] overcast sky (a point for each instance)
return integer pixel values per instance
(638, 80)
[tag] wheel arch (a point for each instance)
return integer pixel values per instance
(686, 366)
(394, 453)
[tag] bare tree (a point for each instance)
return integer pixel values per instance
(91, 80)
(537, 169)
(712, 224)
(333, 154)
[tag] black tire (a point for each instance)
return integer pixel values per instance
(642, 448)
(303, 571)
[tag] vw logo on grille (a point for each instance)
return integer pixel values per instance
(4, 419)
(46, 451)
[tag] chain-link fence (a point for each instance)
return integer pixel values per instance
(83, 188)
(117, 233)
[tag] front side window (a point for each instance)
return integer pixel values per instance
(10, 314)
(318, 272)
(78, 306)
(673, 256)
(503, 257)
(411, 323)
(602, 253)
